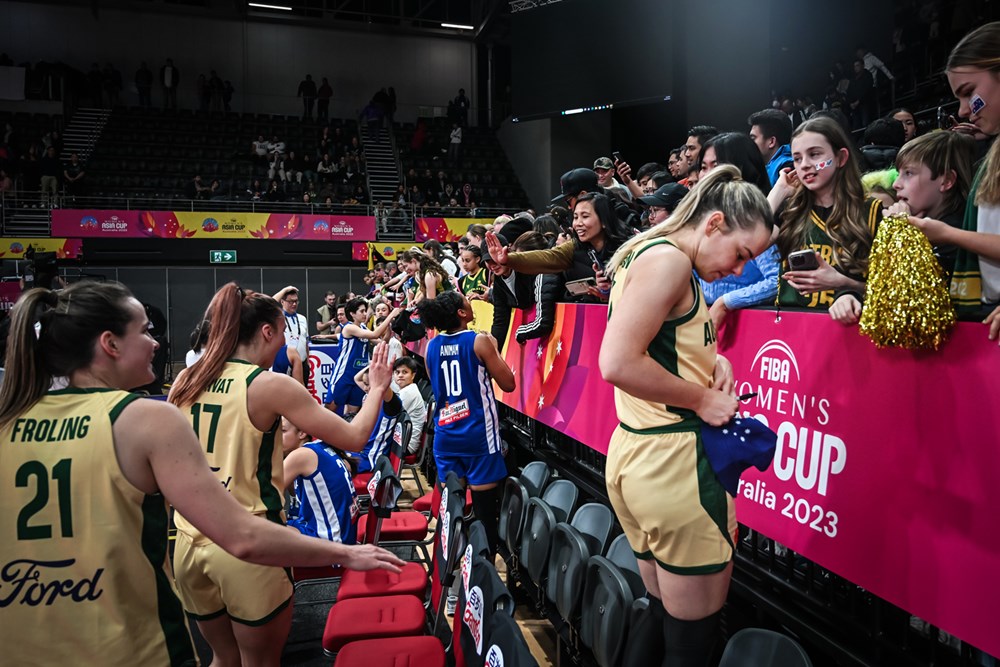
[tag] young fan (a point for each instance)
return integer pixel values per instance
(824, 210)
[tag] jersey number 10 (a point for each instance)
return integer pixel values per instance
(452, 373)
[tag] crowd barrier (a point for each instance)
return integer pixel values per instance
(136, 224)
(885, 460)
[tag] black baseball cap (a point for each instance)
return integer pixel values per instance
(667, 196)
(575, 181)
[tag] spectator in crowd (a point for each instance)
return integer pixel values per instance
(326, 168)
(50, 169)
(475, 233)
(599, 233)
(657, 354)
(906, 117)
(170, 79)
(548, 290)
(661, 203)
(74, 175)
(323, 96)
(144, 85)
(307, 91)
(771, 131)
(405, 371)
(455, 145)
(883, 139)
(6, 184)
(677, 163)
(431, 277)
(642, 183)
(276, 147)
(296, 336)
(258, 150)
(697, 136)
(605, 170)
(323, 501)
(860, 96)
(438, 252)
(872, 65)
(935, 177)
(757, 283)
(821, 205)
(974, 77)
(199, 336)
(475, 280)
(460, 108)
(195, 188)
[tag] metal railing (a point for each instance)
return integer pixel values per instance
(14, 202)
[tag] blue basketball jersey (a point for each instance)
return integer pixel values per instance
(352, 358)
(325, 504)
(467, 422)
(381, 435)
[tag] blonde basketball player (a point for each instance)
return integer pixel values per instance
(659, 353)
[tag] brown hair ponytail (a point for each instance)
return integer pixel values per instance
(235, 315)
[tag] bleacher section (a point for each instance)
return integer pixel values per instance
(147, 153)
(484, 164)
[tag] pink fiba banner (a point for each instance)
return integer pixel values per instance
(558, 381)
(199, 224)
(10, 292)
(886, 459)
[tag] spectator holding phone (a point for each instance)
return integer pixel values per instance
(822, 209)
(597, 229)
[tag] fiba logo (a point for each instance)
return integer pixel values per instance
(776, 362)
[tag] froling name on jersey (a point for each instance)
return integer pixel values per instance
(27, 429)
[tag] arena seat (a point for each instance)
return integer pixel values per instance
(756, 647)
(573, 544)
(556, 505)
(517, 492)
(422, 651)
(612, 585)
(392, 617)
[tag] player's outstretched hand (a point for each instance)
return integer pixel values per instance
(370, 557)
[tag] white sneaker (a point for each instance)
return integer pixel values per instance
(450, 604)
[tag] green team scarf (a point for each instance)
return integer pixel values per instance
(966, 281)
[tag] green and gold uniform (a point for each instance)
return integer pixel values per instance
(248, 462)
(475, 283)
(666, 495)
(84, 574)
(818, 239)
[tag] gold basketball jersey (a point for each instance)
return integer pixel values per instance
(245, 460)
(684, 346)
(84, 574)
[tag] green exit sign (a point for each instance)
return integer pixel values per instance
(222, 257)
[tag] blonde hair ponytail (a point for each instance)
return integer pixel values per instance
(722, 189)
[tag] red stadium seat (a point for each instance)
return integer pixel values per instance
(411, 581)
(361, 619)
(400, 652)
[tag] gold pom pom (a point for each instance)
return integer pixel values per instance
(907, 304)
